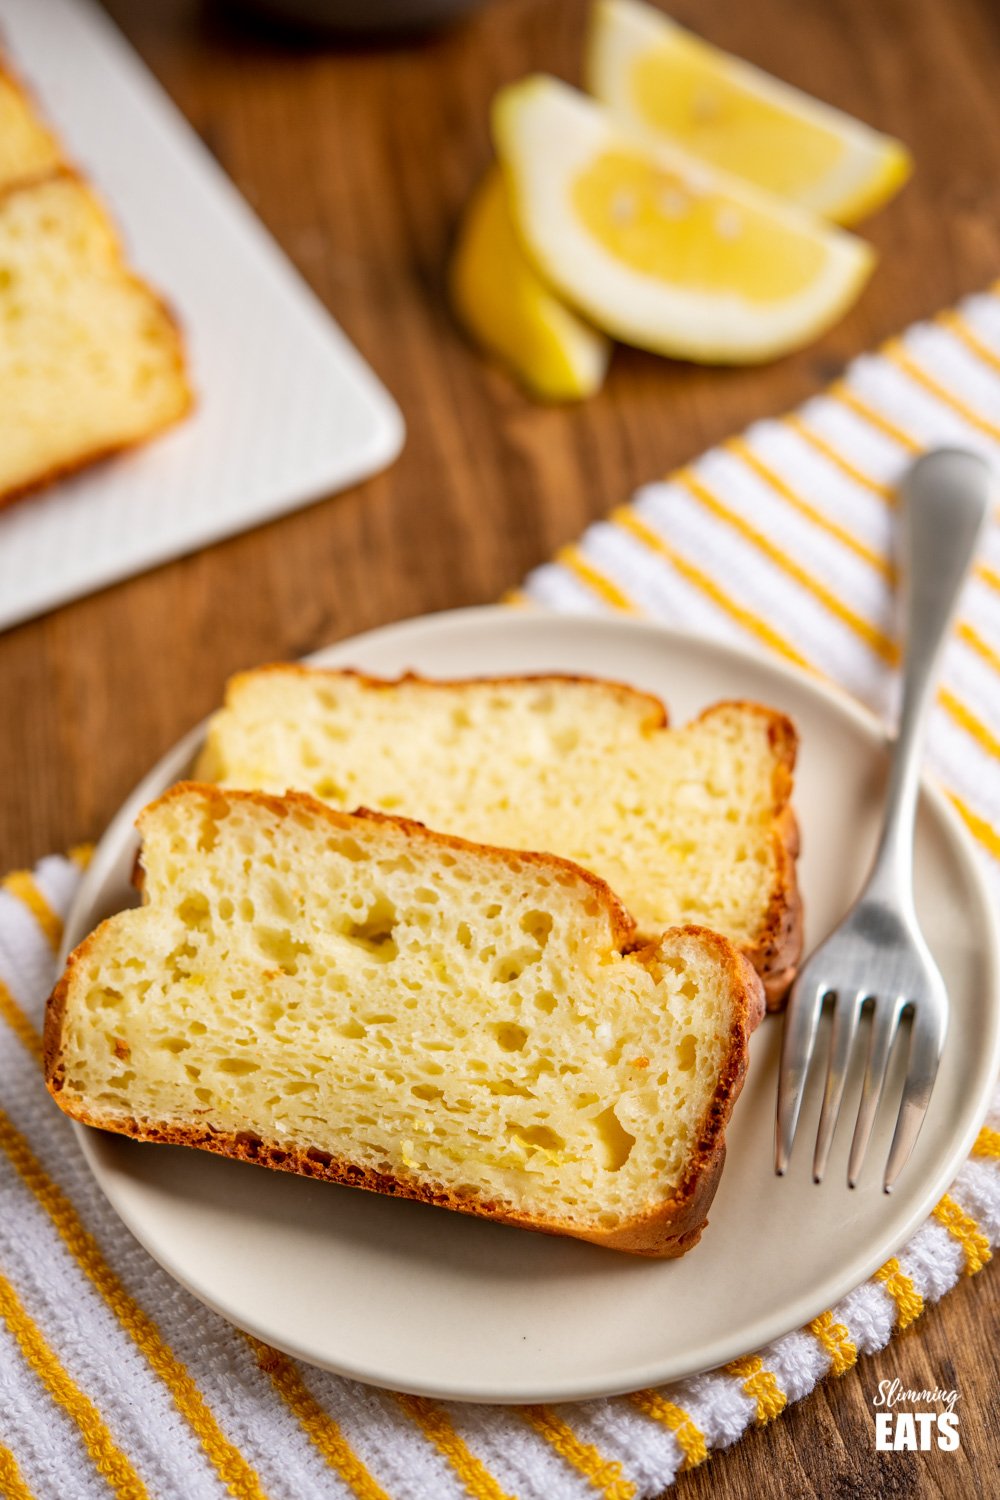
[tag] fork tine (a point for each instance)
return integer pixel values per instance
(883, 1033)
(845, 1025)
(797, 1042)
(926, 1044)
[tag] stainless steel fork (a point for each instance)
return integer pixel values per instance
(877, 960)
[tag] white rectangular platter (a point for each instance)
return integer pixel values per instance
(287, 411)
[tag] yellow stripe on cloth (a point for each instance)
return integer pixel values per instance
(877, 639)
(437, 1427)
(761, 1385)
(23, 885)
(909, 1303)
(700, 580)
(573, 559)
(19, 1023)
(321, 1429)
(108, 1459)
(690, 1438)
(836, 1340)
(81, 855)
(870, 414)
(966, 1231)
(988, 574)
(959, 328)
(973, 725)
(605, 1475)
(904, 361)
(968, 633)
(987, 1142)
(822, 445)
(238, 1476)
(977, 825)
(12, 1485)
(741, 448)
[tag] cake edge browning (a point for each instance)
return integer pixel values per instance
(777, 952)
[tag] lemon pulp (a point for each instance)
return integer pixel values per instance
(660, 224)
(672, 86)
(680, 89)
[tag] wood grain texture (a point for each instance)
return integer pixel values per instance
(358, 160)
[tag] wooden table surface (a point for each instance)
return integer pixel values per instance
(358, 160)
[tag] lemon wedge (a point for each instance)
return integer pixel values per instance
(510, 311)
(659, 249)
(659, 78)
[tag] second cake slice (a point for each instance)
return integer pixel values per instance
(686, 825)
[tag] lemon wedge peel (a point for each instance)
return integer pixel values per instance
(659, 249)
(511, 312)
(669, 85)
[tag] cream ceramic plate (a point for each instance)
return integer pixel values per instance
(427, 1301)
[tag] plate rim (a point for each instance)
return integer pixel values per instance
(663, 1370)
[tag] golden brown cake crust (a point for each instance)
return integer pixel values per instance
(666, 1233)
(778, 950)
(667, 1230)
(656, 709)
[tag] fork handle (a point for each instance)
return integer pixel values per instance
(946, 498)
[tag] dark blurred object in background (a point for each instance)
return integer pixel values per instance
(359, 17)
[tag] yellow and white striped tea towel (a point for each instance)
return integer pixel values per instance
(113, 1380)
